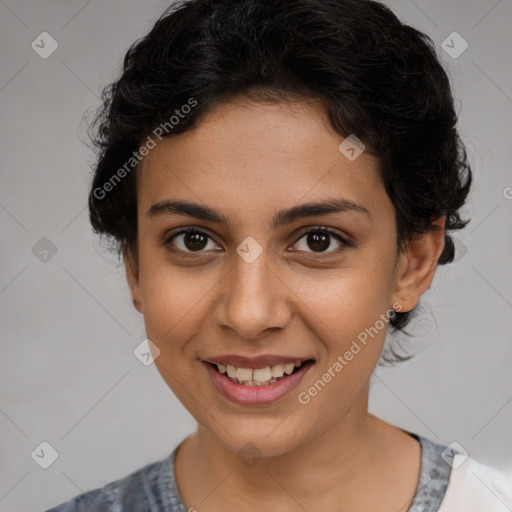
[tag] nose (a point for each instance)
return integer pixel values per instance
(254, 299)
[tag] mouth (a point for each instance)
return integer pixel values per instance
(251, 384)
(259, 376)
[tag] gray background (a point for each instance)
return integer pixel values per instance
(68, 373)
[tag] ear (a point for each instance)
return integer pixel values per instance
(132, 276)
(417, 264)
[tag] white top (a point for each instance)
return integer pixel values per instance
(476, 487)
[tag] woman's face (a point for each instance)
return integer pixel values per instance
(253, 282)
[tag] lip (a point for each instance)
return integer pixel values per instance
(255, 362)
(242, 394)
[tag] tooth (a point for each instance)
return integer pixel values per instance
(297, 363)
(288, 368)
(244, 374)
(231, 371)
(277, 370)
(262, 374)
(222, 368)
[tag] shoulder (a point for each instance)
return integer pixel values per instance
(140, 490)
(450, 481)
(474, 487)
(434, 476)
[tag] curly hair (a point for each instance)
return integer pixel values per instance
(377, 78)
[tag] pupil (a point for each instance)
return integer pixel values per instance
(194, 240)
(318, 241)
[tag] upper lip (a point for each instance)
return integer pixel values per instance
(255, 362)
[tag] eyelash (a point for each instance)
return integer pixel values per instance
(344, 242)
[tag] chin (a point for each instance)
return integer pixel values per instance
(256, 438)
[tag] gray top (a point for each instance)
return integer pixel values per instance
(153, 488)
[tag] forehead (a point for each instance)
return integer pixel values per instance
(244, 153)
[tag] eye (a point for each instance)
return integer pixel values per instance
(319, 239)
(193, 240)
(189, 240)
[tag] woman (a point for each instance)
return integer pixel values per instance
(281, 179)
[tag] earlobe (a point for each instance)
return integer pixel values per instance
(416, 266)
(132, 277)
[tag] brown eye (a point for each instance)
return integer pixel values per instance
(320, 240)
(189, 240)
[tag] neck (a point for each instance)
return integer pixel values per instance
(335, 459)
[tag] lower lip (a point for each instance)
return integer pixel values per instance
(242, 394)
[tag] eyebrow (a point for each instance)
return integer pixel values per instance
(283, 217)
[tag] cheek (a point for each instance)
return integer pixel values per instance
(174, 313)
(173, 300)
(352, 333)
(347, 302)
(350, 315)
(349, 312)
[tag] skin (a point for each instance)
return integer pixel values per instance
(248, 160)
